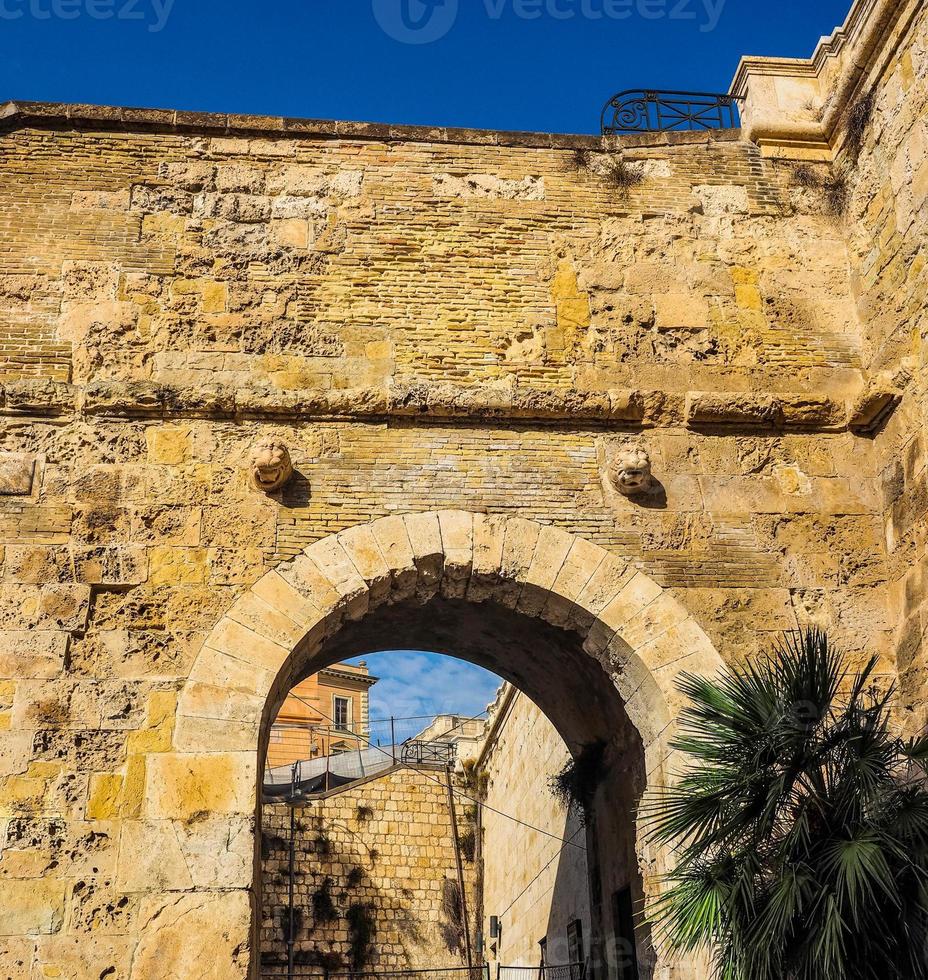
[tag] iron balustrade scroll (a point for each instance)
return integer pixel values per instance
(654, 111)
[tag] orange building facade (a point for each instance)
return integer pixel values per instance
(327, 714)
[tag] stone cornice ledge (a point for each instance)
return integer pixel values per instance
(66, 116)
(794, 107)
(622, 408)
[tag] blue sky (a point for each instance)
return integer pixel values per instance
(414, 684)
(508, 64)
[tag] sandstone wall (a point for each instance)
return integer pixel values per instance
(887, 165)
(430, 320)
(547, 886)
(383, 848)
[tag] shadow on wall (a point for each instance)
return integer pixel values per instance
(344, 920)
(374, 879)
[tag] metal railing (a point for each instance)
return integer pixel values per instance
(418, 753)
(654, 111)
(439, 973)
(308, 759)
(569, 971)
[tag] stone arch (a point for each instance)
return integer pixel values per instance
(640, 635)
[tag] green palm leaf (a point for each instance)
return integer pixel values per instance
(800, 825)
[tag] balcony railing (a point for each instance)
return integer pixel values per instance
(653, 111)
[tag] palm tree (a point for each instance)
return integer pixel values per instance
(800, 825)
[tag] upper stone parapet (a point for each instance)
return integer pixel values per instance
(796, 107)
(16, 114)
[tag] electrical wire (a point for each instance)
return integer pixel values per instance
(500, 813)
(560, 851)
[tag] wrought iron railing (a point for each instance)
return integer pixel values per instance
(269, 971)
(653, 111)
(570, 971)
(417, 753)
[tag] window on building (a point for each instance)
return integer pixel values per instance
(341, 713)
(623, 926)
(575, 948)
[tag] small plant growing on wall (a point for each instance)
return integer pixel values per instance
(323, 907)
(468, 842)
(574, 787)
(322, 845)
(472, 779)
(858, 119)
(271, 843)
(361, 932)
(451, 925)
(612, 169)
(326, 961)
(363, 814)
(833, 187)
(355, 877)
(285, 923)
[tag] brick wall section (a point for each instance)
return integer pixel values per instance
(393, 856)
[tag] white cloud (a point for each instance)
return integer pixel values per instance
(418, 685)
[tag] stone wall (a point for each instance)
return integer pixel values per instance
(850, 126)
(430, 320)
(888, 234)
(547, 886)
(380, 853)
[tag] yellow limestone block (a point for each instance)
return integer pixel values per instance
(104, 800)
(178, 566)
(168, 444)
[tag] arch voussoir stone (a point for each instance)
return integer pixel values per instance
(364, 553)
(457, 538)
(551, 551)
(392, 539)
(642, 637)
(581, 564)
(424, 533)
(486, 572)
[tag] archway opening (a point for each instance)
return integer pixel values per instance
(572, 693)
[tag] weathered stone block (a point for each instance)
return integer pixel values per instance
(204, 935)
(16, 474)
(183, 787)
(33, 653)
(31, 907)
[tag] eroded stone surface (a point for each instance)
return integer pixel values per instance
(456, 338)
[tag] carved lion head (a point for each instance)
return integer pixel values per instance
(631, 471)
(271, 467)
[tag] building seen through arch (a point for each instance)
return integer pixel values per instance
(381, 833)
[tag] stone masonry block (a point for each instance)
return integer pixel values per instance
(182, 787)
(425, 537)
(521, 539)
(489, 536)
(32, 654)
(457, 536)
(361, 547)
(581, 563)
(393, 540)
(550, 554)
(16, 474)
